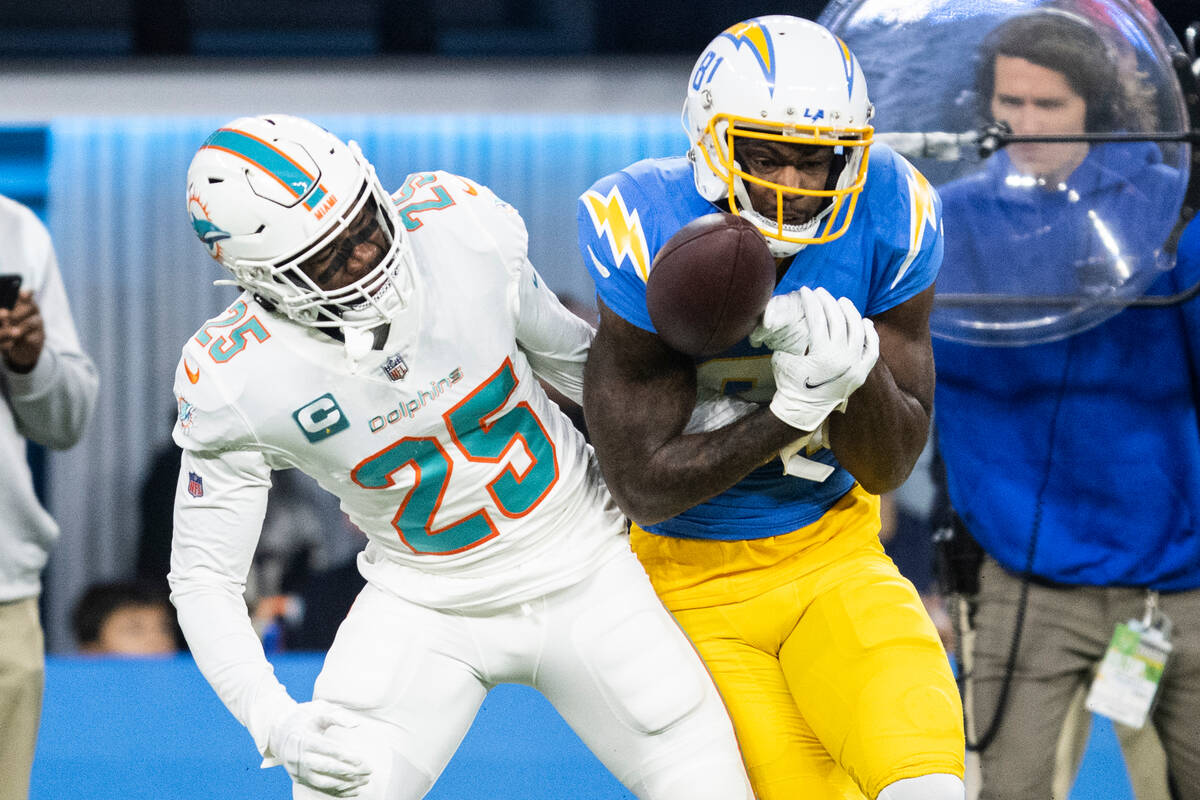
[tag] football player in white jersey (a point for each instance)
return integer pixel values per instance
(391, 348)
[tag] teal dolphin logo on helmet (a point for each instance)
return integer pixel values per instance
(208, 232)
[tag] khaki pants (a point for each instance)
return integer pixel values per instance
(1145, 760)
(22, 669)
(1065, 634)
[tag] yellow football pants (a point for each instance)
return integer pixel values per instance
(835, 678)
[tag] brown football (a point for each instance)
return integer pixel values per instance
(709, 284)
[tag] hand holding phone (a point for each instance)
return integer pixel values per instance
(22, 335)
(10, 285)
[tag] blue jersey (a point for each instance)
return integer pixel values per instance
(891, 251)
(1093, 440)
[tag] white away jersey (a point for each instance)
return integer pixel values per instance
(472, 487)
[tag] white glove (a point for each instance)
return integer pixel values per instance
(312, 757)
(783, 326)
(843, 350)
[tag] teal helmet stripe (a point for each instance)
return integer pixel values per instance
(291, 175)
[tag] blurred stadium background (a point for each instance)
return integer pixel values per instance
(101, 108)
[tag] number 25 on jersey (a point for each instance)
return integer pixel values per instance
(480, 440)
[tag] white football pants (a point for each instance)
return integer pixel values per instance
(605, 653)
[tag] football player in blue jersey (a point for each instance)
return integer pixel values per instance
(752, 478)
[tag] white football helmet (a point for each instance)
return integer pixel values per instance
(779, 78)
(267, 193)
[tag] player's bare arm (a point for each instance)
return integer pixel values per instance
(638, 395)
(886, 422)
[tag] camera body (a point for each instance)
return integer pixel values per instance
(958, 558)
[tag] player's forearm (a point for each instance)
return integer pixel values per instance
(680, 471)
(229, 654)
(638, 397)
(886, 423)
(555, 340)
(691, 469)
(880, 436)
(220, 502)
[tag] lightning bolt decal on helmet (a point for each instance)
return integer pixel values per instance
(779, 78)
(266, 193)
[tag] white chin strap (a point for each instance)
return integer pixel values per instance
(377, 311)
(357, 342)
(358, 333)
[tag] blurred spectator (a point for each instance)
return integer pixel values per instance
(326, 595)
(303, 535)
(1074, 463)
(156, 507)
(49, 387)
(124, 618)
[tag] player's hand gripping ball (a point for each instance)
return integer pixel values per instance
(709, 284)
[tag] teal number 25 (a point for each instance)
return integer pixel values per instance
(223, 348)
(479, 439)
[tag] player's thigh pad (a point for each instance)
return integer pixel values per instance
(627, 680)
(406, 670)
(868, 671)
(740, 642)
(633, 651)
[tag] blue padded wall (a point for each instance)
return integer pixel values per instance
(23, 165)
(152, 729)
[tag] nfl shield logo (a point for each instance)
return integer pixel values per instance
(394, 367)
(195, 485)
